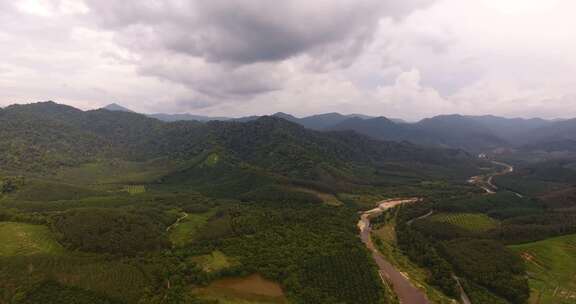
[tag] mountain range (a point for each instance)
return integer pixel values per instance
(42, 137)
(477, 134)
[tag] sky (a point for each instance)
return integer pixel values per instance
(397, 58)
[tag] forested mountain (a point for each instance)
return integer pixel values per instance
(472, 133)
(444, 131)
(462, 132)
(510, 129)
(386, 129)
(556, 131)
(117, 107)
(48, 134)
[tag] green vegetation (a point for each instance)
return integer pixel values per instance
(384, 238)
(474, 222)
(114, 279)
(111, 230)
(135, 189)
(259, 236)
(37, 190)
(488, 264)
(141, 211)
(185, 231)
(214, 262)
(551, 265)
(489, 272)
(53, 293)
(18, 239)
(117, 171)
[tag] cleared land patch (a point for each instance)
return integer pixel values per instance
(185, 231)
(18, 239)
(551, 265)
(135, 189)
(474, 222)
(250, 289)
(214, 262)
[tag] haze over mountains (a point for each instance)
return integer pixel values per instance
(471, 133)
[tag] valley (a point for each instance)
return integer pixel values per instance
(117, 207)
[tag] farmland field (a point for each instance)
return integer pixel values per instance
(550, 264)
(18, 239)
(135, 189)
(474, 222)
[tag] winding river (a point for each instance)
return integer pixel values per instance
(406, 292)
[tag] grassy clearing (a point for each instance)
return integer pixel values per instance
(214, 262)
(551, 265)
(18, 239)
(184, 232)
(135, 189)
(246, 290)
(211, 160)
(474, 222)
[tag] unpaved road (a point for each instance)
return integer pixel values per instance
(407, 293)
(177, 222)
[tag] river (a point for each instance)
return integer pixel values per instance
(406, 292)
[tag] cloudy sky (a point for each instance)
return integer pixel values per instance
(399, 58)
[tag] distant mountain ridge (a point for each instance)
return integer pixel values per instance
(472, 133)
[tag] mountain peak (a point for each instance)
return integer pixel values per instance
(117, 107)
(285, 116)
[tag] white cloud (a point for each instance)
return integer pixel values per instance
(235, 57)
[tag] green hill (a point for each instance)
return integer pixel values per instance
(44, 136)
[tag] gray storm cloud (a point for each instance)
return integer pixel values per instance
(228, 48)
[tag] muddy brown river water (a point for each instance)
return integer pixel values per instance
(407, 293)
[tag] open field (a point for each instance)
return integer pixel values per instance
(18, 239)
(213, 262)
(551, 265)
(474, 222)
(135, 189)
(252, 289)
(184, 232)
